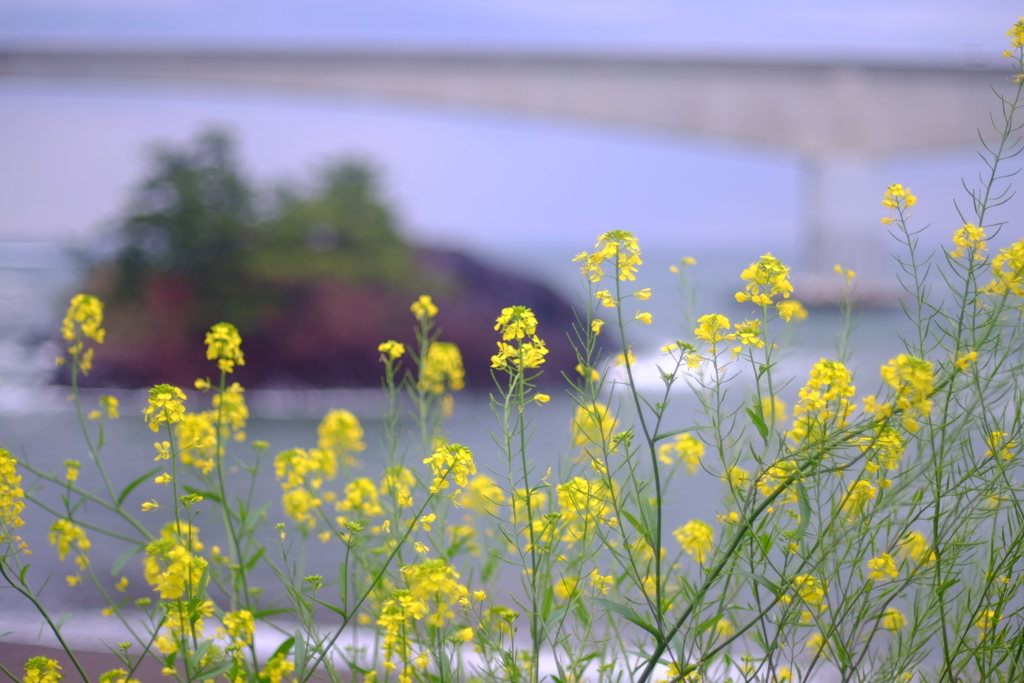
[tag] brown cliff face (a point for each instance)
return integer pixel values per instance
(325, 333)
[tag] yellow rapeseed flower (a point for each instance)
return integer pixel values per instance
(882, 568)
(64, 534)
(516, 322)
(1007, 272)
(165, 406)
(696, 538)
(845, 272)
(713, 329)
(617, 248)
(788, 310)
(423, 308)
(224, 345)
(824, 402)
(999, 444)
(914, 382)
(915, 546)
(964, 361)
(767, 277)
(84, 316)
(858, 495)
(969, 239)
(451, 462)
(42, 670)
(686, 448)
(391, 350)
(893, 619)
(442, 369)
(593, 426)
(897, 197)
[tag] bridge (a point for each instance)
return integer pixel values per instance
(840, 118)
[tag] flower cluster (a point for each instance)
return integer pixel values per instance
(67, 535)
(483, 496)
(999, 444)
(697, 538)
(301, 474)
(914, 382)
(774, 476)
(893, 619)
(1008, 271)
(109, 405)
(423, 308)
(276, 669)
(592, 428)
(583, 504)
(361, 499)
(450, 462)
(396, 618)
(884, 448)
(117, 676)
(882, 568)
(811, 590)
(767, 278)
(824, 401)
(11, 494)
(442, 369)
(224, 345)
(969, 239)
(165, 406)
(617, 248)
(686, 448)
(341, 435)
(391, 350)
(1016, 36)
(240, 628)
(517, 323)
(42, 670)
(84, 319)
(713, 329)
(859, 495)
(899, 199)
(171, 566)
(915, 546)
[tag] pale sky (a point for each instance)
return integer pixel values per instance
(70, 152)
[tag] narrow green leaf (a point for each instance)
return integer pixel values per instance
(213, 673)
(122, 560)
(131, 487)
(635, 523)
(757, 578)
(333, 608)
(195, 659)
(630, 615)
(284, 648)
(805, 511)
(205, 494)
(705, 625)
(300, 652)
(263, 614)
(251, 562)
(758, 421)
(253, 519)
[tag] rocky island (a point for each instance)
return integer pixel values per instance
(313, 283)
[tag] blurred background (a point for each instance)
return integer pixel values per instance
(512, 133)
(305, 169)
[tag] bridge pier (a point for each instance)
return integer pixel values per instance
(842, 211)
